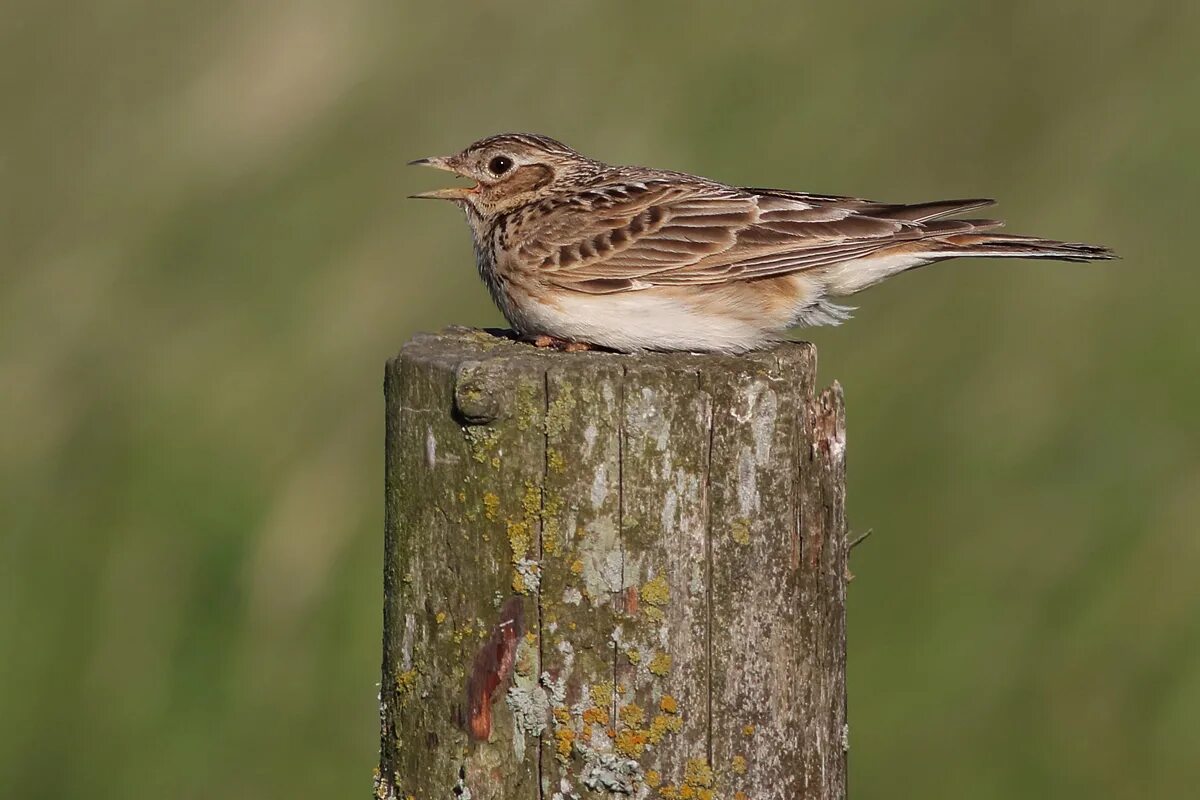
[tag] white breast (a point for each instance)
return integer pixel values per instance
(639, 320)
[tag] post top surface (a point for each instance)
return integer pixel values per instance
(456, 344)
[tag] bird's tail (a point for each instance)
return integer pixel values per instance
(1004, 245)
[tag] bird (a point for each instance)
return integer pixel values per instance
(579, 254)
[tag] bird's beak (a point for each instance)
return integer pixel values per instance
(452, 193)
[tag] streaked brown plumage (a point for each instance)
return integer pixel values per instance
(630, 258)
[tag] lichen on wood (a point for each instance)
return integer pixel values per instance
(611, 575)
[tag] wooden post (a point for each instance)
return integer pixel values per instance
(611, 575)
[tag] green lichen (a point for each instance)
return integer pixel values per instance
(551, 512)
(484, 339)
(560, 411)
(482, 441)
(531, 501)
(660, 665)
(527, 409)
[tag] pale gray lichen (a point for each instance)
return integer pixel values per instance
(602, 562)
(567, 650)
(529, 708)
(565, 791)
(529, 572)
(461, 790)
(556, 690)
(608, 772)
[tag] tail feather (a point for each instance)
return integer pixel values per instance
(1002, 245)
(924, 212)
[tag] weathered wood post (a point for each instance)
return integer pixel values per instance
(612, 575)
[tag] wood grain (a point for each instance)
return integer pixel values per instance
(611, 575)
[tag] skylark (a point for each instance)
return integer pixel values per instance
(577, 253)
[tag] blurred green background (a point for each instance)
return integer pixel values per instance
(206, 256)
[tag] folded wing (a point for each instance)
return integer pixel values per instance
(635, 235)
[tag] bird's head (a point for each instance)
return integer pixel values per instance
(509, 170)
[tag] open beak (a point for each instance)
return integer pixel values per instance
(452, 193)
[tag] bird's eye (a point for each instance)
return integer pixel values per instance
(500, 165)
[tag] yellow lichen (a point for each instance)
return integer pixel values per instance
(405, 681)
(518, 583)
(439, 617)
(634, 655)
(531, 501)
(747, 730)
(740, 531)
(668, 791)
(632, 715)
(698, 773)
(481, 441)
(551, 511)
(595, 716)
(518, 539)
(555, 460)
(562, 715)
(577, 567)
(739, 764)
(531, 638)
(669, 704)
(656, 591)
(660, 665)
(565, 741)
(491, 504)
(653, 778)
(630, 743)
(602, 694)
(658, 729)
(739, 795)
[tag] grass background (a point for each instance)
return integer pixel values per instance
(206, 256)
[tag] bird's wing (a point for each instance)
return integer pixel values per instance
(637, 234)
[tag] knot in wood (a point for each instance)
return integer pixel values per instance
(477, 400)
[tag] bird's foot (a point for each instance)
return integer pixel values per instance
(565, 345)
